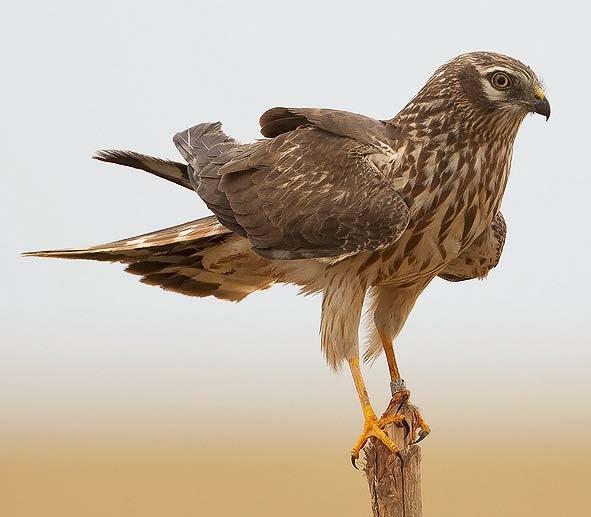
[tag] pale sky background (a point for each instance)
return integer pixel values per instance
(82, 343)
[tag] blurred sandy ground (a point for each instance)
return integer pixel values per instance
(150, 434)
(525, 466)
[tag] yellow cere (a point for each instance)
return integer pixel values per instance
(539, 93)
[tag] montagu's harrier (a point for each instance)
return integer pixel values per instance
(346, 206)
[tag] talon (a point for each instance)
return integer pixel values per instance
(422, 435)
(424, 428)
(413, 420)
(373, 427)
(353, 462)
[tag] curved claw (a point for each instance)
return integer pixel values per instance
(354, 462)
(422, 436)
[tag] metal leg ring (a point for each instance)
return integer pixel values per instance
(397, 385)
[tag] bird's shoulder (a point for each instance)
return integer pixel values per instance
(376, 134)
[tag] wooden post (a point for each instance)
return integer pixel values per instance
(395, 478)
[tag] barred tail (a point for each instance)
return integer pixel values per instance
(190, 259)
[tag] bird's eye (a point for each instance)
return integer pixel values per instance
(500, 80)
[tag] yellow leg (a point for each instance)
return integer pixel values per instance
(400, 394)
(371, 425)
(391, 358)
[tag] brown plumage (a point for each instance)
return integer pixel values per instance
(343, 204)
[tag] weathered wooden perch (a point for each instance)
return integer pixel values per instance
(395, 478)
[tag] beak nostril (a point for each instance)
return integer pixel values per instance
(539, 93)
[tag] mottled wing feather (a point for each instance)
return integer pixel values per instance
(481, 256)
(309, 192)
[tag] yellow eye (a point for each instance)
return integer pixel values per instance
(500, 80)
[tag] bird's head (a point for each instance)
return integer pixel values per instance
(482, 90)
(498, 83)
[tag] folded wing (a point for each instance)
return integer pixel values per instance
(481, 256)
(309, 192)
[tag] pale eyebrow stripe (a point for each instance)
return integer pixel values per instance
(510, 71)
(497, 68)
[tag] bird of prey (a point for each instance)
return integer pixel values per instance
(345, 205)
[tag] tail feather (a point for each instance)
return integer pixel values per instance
(202, 144)
(166, 169)
(181, 236)
(198, 258)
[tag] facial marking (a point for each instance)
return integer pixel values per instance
(493, 94)
(520, 79)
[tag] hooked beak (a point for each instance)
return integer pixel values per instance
(541, 104)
